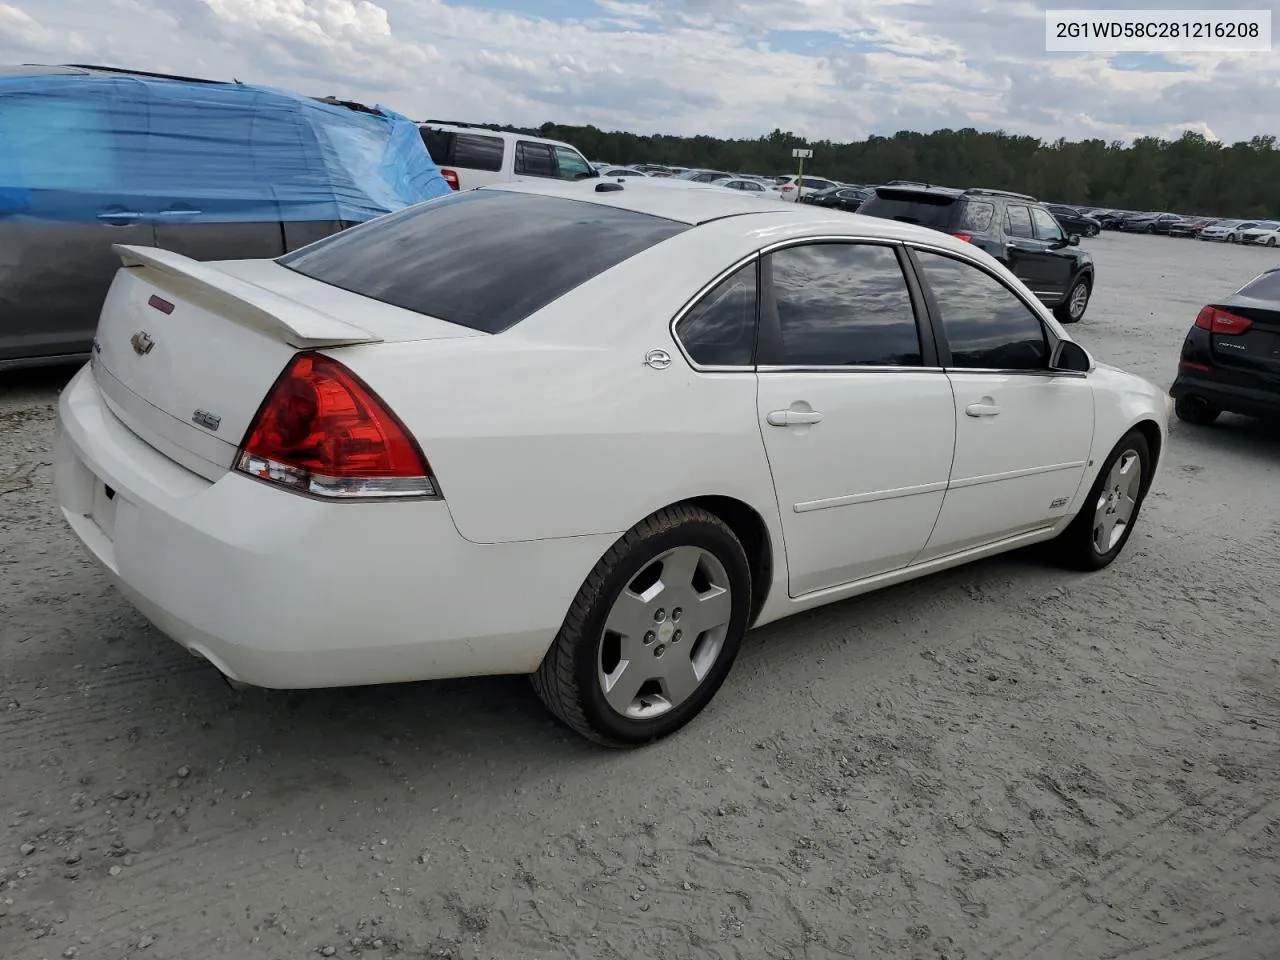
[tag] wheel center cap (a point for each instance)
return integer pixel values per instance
(665, 631)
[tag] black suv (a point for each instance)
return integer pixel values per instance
(1016, 229)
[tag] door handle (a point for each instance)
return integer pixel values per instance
(123, 215)
(178, 213)
(984, 409)
(791, 418)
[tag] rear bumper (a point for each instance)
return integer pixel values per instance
(280, 590)
(1232, 398)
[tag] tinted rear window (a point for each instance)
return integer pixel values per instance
(485, 259)
(477, 153)
(469, 150)
(911, 206)
(1265, 287)
(975, 216)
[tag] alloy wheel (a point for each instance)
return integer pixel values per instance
(1117, 501)
(1079, 300)
(664, 633)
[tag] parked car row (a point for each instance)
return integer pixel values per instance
(1255, 232)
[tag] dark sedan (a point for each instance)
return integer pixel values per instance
(1074, 220)
(1231, 356)
(1191, 227)
(1150, 222)
(839, 198)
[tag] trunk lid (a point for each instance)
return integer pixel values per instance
(1257, 349)
(186, 352)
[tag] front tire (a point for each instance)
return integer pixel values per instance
(1106, 520)
(1072, 309)
(652, 633)
(1093, 231)
(1195, 410)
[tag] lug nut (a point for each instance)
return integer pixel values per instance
(660, 615)
(650, 637)
(675, 637)
(659, 650)
(677, 613)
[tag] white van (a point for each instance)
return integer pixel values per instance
(475, 157)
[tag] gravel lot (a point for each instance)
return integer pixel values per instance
(1003, 761)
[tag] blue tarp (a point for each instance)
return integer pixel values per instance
(89, 147)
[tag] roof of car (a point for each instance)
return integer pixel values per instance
(487, 132)
(90, 70)
(696, 204)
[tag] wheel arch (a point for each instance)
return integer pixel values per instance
(753, 533)
(1151, 432)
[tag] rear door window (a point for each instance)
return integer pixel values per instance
(843, 304)
(484, 259)
(534, 159)
(1017, 223)
(912, 206)
(477, 152)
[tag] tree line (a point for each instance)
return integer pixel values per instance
(1190, 175)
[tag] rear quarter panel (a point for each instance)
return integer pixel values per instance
(557, 428)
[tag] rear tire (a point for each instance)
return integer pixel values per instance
(1195, 410)
(1092, 231)
(626, 618)
(1107, 517)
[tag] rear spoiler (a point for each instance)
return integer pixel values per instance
(299, 326)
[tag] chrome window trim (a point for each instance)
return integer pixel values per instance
(742, 262)
(1038, 309)
(843, 368)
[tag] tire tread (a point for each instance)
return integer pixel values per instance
(555, 680)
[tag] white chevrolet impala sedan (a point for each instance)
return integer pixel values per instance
(591, 432)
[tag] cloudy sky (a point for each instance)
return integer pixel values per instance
(831, 69)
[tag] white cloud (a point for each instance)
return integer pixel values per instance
(830, 69)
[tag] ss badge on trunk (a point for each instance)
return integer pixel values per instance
(203, 418)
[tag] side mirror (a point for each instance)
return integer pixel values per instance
(1073, 240)
(1070, 357)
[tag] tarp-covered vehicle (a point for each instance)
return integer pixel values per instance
(91, 156)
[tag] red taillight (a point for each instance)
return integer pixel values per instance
(323, 431)
(1220, 321)
(451, 178)
(967, 238)
(1192, 365)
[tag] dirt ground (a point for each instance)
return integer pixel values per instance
(1003, 761)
